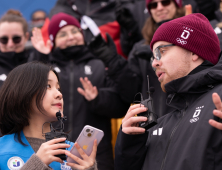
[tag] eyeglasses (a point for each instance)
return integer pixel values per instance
(16, 39)
(153, 5)
(157, 53)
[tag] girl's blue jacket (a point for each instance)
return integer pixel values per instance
(13, 155)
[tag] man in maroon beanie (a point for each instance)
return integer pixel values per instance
(186, 55)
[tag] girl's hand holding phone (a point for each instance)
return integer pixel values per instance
(86, 161)
(48, 150)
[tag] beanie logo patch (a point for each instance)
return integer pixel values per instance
(181, 41)
(51, 37)
(185, 34)
(62, 23)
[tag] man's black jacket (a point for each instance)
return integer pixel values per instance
(182, 139)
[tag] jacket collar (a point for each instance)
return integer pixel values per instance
(75, 53)
(185, 90)
(12, 59)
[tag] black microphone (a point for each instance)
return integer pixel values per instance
(57, 133)
(58, 115)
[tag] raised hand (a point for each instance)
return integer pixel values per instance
(86, 161)
(48, 150)
(188, 9)
(38, 42)
(130, 122)
(217, 112)
(89, 91)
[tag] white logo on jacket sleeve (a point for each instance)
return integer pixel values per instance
(196, 114)
(158, 131)
(3, 77)
(88, 70)
(15, 163)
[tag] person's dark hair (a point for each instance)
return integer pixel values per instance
(23, 83)
(151, 26)
(15, 16)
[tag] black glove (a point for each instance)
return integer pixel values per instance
(144, 52)
(125, 18)
(105, 51)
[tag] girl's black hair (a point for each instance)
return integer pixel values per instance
(23, 83)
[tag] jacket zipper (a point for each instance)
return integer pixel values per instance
(71, 96)
(171, 136)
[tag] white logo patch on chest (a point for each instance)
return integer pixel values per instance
(65, 167)
(196, 114)
(88, 70)
(158, 132)
(15, 163)
(3, 77)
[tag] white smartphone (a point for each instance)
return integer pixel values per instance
(85, 140)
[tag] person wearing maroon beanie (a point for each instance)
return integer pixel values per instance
(186, 59)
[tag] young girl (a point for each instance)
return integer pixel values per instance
(98, 100)
(29, 97)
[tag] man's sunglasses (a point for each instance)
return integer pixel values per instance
(153, 5)
(16, 39)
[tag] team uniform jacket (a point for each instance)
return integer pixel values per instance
(182, 139)
(13, 154)
(71, 64)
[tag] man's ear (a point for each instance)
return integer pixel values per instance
(195, 57)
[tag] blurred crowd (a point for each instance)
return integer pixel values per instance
(100, 51)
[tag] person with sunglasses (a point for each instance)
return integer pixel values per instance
(187, 62)
(13, 37)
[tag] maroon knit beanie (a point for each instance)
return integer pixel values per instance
(178, 3)
(59, 21)
(193, 33)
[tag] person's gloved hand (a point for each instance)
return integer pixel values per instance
(125, 18)
(103, 50)
(143, 51)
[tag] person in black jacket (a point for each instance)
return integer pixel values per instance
(186, 54)
(131, 75)
(90, 96)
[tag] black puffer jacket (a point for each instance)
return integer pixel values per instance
(182, 139)
(71, 64)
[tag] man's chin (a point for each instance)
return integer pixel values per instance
(163, 87)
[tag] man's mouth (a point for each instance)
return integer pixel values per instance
(160, 75)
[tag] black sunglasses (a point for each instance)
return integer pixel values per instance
(153, 5)
(16, 39)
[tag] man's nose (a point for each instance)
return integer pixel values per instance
(155, 63)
